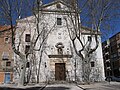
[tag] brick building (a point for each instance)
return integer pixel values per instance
(6, 55)
(111, 55)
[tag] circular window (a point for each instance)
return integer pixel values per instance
(58, 6)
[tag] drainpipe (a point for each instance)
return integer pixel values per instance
(75, 70)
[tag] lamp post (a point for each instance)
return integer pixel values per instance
(109, 79)
(75, 70)
(119, 71)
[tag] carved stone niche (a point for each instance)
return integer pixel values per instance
(59, 47)
(60, 53)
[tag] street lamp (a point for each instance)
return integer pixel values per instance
(119, 71)
(109, 69)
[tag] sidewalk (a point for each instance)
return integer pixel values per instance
(14, 86)
(102, 86)
(93, 86)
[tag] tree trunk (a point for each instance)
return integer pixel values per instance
(38, 74)
(86, 70)
(22, 74)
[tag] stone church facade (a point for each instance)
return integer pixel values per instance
(59, 60)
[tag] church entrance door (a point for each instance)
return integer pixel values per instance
(60, 71)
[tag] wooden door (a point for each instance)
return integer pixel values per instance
(60, 71)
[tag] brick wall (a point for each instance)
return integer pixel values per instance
(1, 77)
(5, 46)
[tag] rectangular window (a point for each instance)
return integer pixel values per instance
(118, 53)
(27, 37)
(6, 39)
(107, 64)
(8, 63)
(27, 47)
(5, 56)
(89, 38)
(107, 57)
(59, 21)
(119, 45)
(28, 64)
(92, 64)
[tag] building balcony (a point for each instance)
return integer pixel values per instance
(107, 53)
(108, 68)
(108, 60)
(106, 46)
(7, 69)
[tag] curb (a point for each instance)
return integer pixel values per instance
(42, 88)
(81, 87)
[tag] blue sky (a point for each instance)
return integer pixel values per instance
(115, 27)
(47, 1)
(107, 33)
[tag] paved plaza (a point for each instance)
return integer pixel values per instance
(62, 87)
(66, 86)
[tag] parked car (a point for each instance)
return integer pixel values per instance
(113, 78)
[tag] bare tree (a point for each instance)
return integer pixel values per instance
(96, 13)
(12, 10)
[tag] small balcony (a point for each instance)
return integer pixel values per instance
(107, 61)
(107, 53)
(7, 69)
(106, 46)
(108, 68)
(7, 66)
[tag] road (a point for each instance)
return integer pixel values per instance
(106, 87)
(102, 86)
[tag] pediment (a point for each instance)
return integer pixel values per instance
(53, 6)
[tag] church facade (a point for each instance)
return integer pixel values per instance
(57, 59)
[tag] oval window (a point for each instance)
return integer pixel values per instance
(58, 6)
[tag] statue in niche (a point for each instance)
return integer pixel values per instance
(60, 51)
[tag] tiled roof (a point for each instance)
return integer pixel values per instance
(5, 27)
(87, 30)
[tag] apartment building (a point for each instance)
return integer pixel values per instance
(111, 55)
(6, 55)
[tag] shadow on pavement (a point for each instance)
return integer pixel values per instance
(33, 88)
(88, 89)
